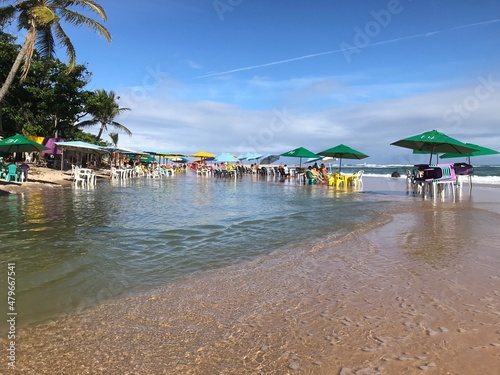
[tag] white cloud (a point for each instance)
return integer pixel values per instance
(162, 122)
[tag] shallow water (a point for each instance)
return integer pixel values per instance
(79, 247)
(388, 284)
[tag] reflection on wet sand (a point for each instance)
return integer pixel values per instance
(419, 294)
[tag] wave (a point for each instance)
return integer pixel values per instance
(381, 166)
(483, 180)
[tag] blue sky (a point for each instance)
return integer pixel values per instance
(268, 76)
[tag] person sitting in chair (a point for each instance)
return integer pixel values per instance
(317, 175)
(309, 176)
(324, 172)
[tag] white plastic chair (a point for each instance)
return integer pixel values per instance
(78, 177)
(357, 179)
(114, 173)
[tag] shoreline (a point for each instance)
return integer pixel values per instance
(40, 178)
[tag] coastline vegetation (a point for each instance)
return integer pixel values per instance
(47, 97)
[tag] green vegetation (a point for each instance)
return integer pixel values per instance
(47, 97)
(42, 21)
(103, 107)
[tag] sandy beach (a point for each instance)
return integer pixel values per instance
(42, 178)
(404, 296)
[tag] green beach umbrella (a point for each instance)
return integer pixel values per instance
(19, 143)
(433, 142)
(343, 152)
(480, 151)
(300, 152)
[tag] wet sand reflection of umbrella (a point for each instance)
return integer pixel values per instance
(300, 152)
(433, 141)
(343, 152)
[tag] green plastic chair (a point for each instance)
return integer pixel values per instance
(310, 178)
(12, 173)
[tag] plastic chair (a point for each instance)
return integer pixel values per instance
(447, 180)
(356, 179)
(337, 179)
(12, 173)
(78, 177)
(438, 177)
(23, 172)
(310, 177)
(114, 173)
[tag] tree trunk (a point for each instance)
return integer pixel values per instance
(56, 124)
(98, 137)
(1, 119)
(15, 67)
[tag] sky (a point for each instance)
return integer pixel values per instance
(268, 76)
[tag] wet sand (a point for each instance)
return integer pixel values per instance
(417, 292)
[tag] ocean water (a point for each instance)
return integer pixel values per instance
(75, 248)
(196, 275)
(483, 174)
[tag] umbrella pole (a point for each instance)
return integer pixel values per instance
(470, 177)
(340, 164)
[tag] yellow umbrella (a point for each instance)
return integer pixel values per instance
(203, 154)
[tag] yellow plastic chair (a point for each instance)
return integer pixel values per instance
(337, 179)
(331, 180)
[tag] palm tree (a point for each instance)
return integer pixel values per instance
(41, 18)
(103, 107)
(114, 139)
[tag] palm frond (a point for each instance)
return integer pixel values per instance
(78, 19)
(7, 13)
(66, 42)
(121, 127)
(45, 42)
(92, 6)
(91, 122)
(30, 44)
(114, 138)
